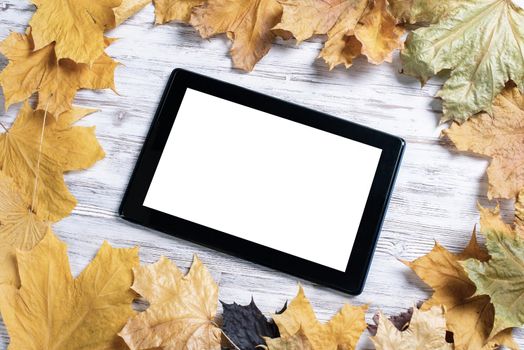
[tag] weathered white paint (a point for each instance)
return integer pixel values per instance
(435, 196)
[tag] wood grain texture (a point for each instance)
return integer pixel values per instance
(434, 199)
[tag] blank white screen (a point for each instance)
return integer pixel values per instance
(263, 178)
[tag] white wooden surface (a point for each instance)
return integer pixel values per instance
(434, 199)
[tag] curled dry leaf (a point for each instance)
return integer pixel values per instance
(245, 325)
(64, 148)
(182, 308)
(501, 277)
(342, 332)
(20, 228)
(426, 331)
(247, 23)
(482, 44)
(51, 310)
(128, 8)
(76, 27)
(469, 317)
(353, 27)
(56, 81)
(501, 137)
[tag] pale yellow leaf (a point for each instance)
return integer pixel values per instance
(181, 312)
(426, 331)
(64, 148)
(20, 228)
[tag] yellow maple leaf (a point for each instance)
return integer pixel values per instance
(353, 27)
(501, 137)
(426, 331)
(20, 228)
(75, 26)
(342, 332)
(39, 166)
(469, 317)
(128, 8)
(247, 23)
(56, 81)
(52, 310)
(174, 10)
(378, 32)
(181, 312)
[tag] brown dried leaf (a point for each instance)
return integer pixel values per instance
(469, 317)
(353, 27)
(247, 23)
(500, 137)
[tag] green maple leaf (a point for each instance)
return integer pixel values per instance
(501, 277)
(482, 44)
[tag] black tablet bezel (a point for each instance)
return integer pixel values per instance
(350, 281)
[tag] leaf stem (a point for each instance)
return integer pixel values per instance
(229, 340)
(39, 158)
(225, 335)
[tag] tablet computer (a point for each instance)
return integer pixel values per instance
(264, 179)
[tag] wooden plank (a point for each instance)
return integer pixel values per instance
(435, 196)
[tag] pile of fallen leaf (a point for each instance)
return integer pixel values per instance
(477, 298)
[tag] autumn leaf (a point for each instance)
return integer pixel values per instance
(469, 317)
(298, 341)
(378, 33)
(501, 137)
(75, 26)
(426, 331)
(51, 310)
(400, 321)
(64, 148)
(341, 332)
(182, 308)
(502, 277)
(128, 8)
(245, 325)
(482, 44)
(174, 10)
(247, 23)
(423, 11)
(519, 214)
(20, 228)
(56, 81)
(353, 27)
